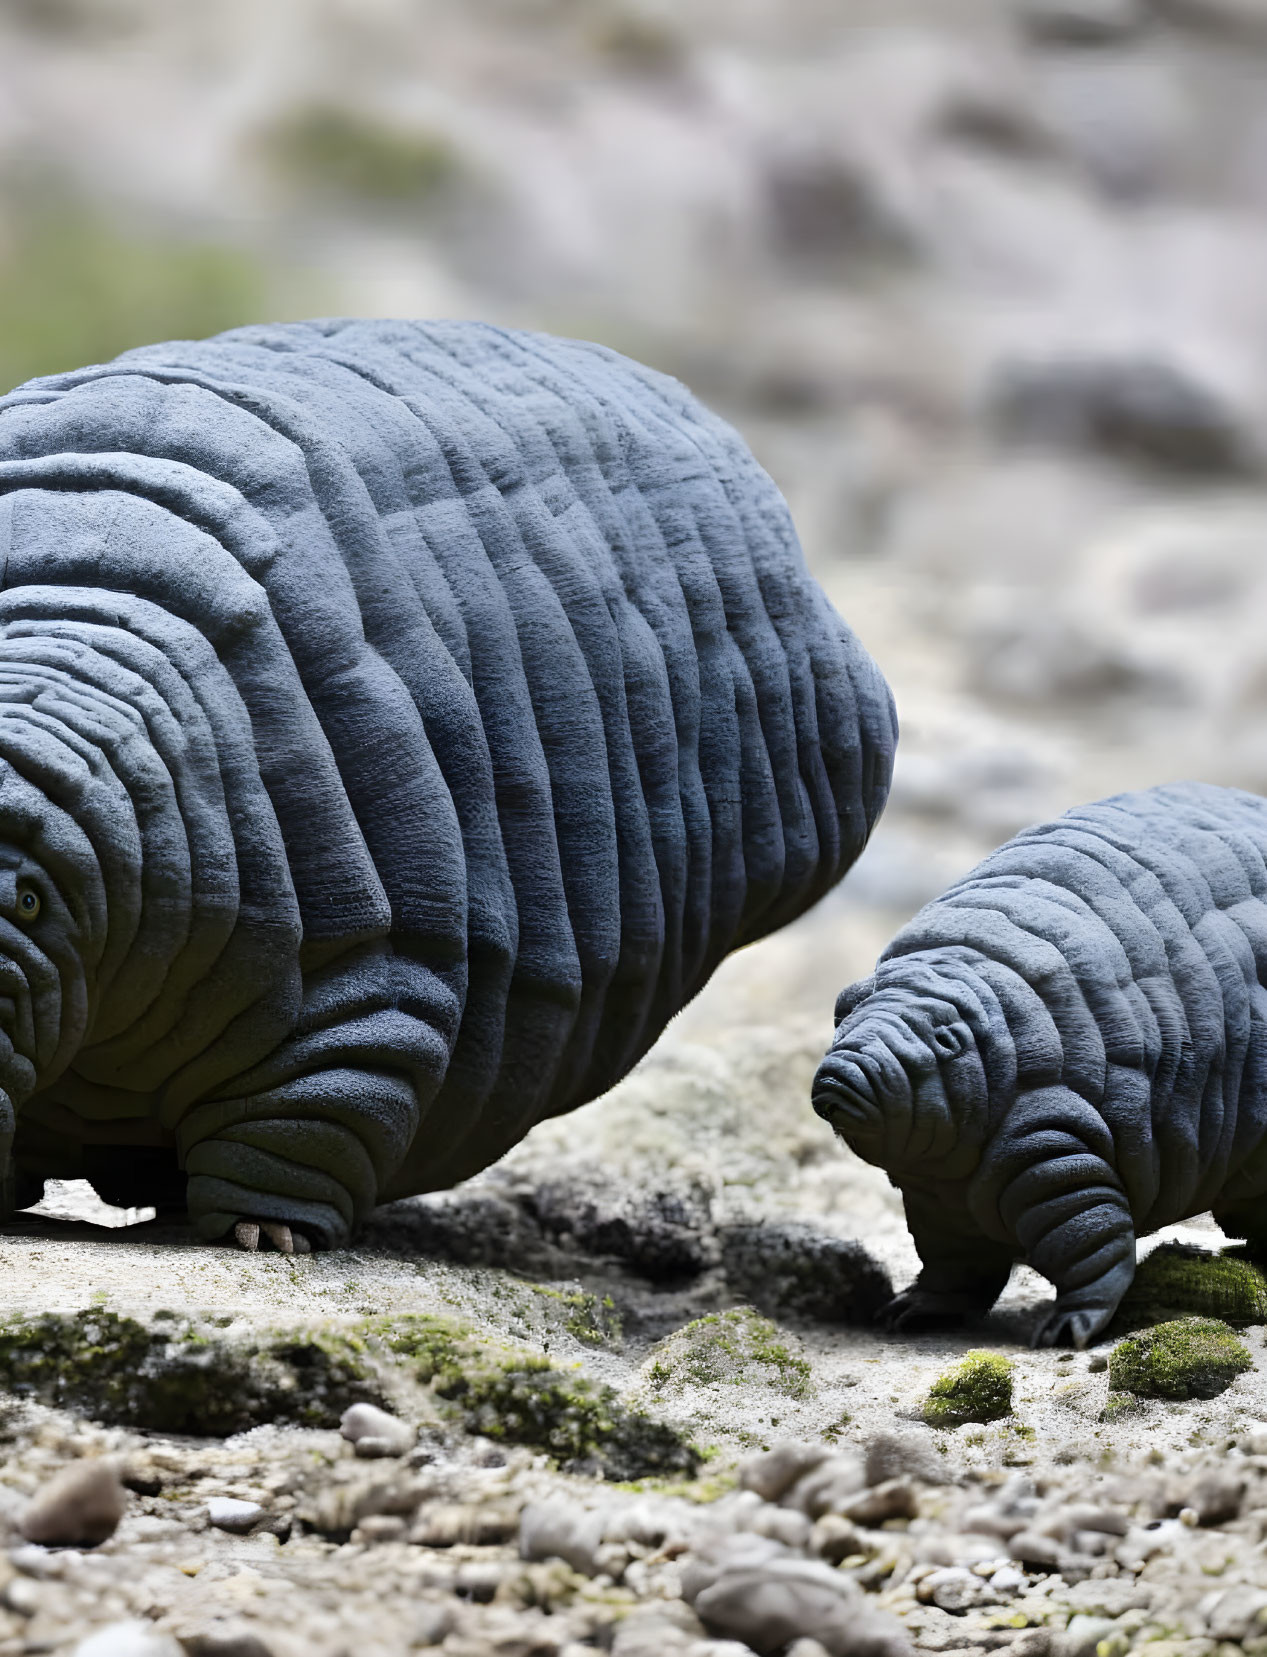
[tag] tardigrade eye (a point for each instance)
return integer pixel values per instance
(29, 904)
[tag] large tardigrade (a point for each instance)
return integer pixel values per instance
(398, 723)
(1067, 1049)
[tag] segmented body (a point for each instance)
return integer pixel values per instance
(414, 716)
(1092, 998)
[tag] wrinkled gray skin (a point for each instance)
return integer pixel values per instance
(398, 723)
(1069, 1049)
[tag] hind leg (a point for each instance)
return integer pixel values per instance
(1048, 1180)
(300, 1165)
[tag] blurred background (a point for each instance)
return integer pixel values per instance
(982, 282)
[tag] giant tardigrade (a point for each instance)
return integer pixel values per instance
(1068, 1049)
(398, 724)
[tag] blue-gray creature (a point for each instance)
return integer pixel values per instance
(398, 723)
(1069, 1049)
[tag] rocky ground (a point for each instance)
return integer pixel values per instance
(981, 281)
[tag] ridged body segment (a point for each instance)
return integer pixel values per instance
(438, 705)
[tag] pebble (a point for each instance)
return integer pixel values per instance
(562, 1530)
(829, 1488)
(374, 1433)
(1083, 1635)
(903, 1456)
(227, 1513)
(955, 1589)
(128, 1639)
(80, 1507)
(225, 1639)
(895, 1499)
(772, 1473)
(1083, 22)
(767, 1606)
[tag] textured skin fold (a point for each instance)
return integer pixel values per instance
(399, 722)
(1107, 973)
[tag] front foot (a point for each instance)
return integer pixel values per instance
(924, 1308)
(1075, 1326)
(247, 1233)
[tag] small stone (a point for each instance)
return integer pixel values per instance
(225, 1639)
(380, 1527)
(561, 1530)
(829, 1488)
(768, 1606)
(1237, 1614)
(80, 1507)
(1083, 1635)
(227, 1513)
(956, 1590)
(450, 1524)
(895, 1499)
(904, 1455)
(479, 1579)
(834, 1539)
(373, 1432)
(1082, 22)
(772, 1473)
(128, 1639)
(1008, 1581)
(433, 1623)
(1043, 1553)
(1213, 1498)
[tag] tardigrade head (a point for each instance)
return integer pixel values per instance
(903, 1084)
(44, 925)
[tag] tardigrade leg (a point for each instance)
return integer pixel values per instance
(963, 1272)
(1048, 1179)
(297, 1167)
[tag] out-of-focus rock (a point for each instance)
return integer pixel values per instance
(373, 1432)
(772, 1473)
(769, 1603)
(1034, 654)
(830, 1487)
(661, 1234)
(561, 1530)
(128, 1639)
(792, 1270)
(1237, 1613)
(1122, 118)
(1082, 22)
(80, 1507)
(479, 1227)
(1137, 408)
(904, 1455)
(1235, 17)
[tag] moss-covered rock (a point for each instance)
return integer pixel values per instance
(734, 1348)
(1189, 1358)
(978, 1389)
(1178, 1280)
(520, 1398)
(184, 1375)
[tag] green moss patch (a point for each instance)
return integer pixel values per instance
(520, 1398)
(1178, 1280)
(183, 1375)
(345, 152)
(1189, 1358)
(978, 1389)
(735, 1348)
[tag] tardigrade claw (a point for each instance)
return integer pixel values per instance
(278, 1234)
(1065, 1327)
(247, 1235)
